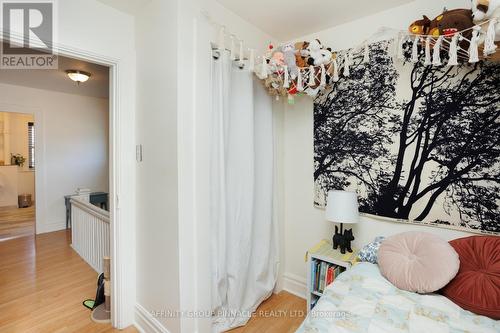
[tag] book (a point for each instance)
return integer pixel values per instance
(316, 278)
(313, 275)
(322, 277)
(329, 276)
(337, 271)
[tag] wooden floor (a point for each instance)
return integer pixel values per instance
(42, 285)
(281, 313)
(16, 222)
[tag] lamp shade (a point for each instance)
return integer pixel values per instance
(78, 76)
(342, 207)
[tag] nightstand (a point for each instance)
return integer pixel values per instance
(323, 265)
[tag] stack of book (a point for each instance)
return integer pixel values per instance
(323, 274)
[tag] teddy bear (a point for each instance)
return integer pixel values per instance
(318, 55)
(301, 54)
(483, 10)
(288, 51)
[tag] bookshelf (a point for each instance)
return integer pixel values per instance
(324, 264)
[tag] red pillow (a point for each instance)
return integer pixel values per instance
(476, 287)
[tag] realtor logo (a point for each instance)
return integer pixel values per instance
(28, 35)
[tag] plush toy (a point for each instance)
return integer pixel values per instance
(420, 27)
(302, 54)
(483, 10)
(260, 73)
(318, 55)
(293, 88)
(446, 24)
(274, 86)
(276, 62)
(269, 52)
(289, 55)
(450, 22)
(278, 59)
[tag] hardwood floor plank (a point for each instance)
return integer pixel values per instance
(16, 222)
(281, 313)
(42, 285)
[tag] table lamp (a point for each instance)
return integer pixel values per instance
(342, 207)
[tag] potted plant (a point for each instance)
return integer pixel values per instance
(17, 159)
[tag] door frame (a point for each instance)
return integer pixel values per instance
(122, 283)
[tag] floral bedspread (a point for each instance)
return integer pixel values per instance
(362, 300)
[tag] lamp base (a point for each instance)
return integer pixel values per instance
(342, 239)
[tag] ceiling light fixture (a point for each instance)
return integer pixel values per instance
(78, 76)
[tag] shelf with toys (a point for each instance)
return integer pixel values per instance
(454, 37)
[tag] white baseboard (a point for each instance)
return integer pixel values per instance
(146, 323)
(42, 228)
(295, 285)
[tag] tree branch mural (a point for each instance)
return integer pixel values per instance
(418, 142)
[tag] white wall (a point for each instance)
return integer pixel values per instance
(305, 224)
(157, 188)
(100, 32)
(8, 186)
(72, 132)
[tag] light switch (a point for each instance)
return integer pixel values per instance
(138, 153)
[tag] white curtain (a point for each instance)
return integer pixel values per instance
(244, 231)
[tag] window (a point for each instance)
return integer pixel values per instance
(31, 145)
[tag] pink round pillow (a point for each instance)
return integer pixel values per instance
(418, 261)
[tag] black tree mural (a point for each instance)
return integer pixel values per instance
(410, 137)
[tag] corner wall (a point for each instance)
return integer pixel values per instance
(99, 31)
(304, 224)
(157, 235)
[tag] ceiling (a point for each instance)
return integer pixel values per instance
(290, 19)
(57, 80)
(127, 6)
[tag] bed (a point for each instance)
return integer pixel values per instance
(362, 300)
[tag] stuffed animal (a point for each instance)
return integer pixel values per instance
(269, 52)
(446, 24)
(483, 10)
(260, 74)
(289, 55)
(274, 86)
(450, 22)
(302, 54)
(276, 62)
(278, 59)
(420, 27)
(318, 55)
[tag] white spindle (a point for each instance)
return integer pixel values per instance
(90, 232)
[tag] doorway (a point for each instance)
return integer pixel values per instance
(68, 126)
(17, 175)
